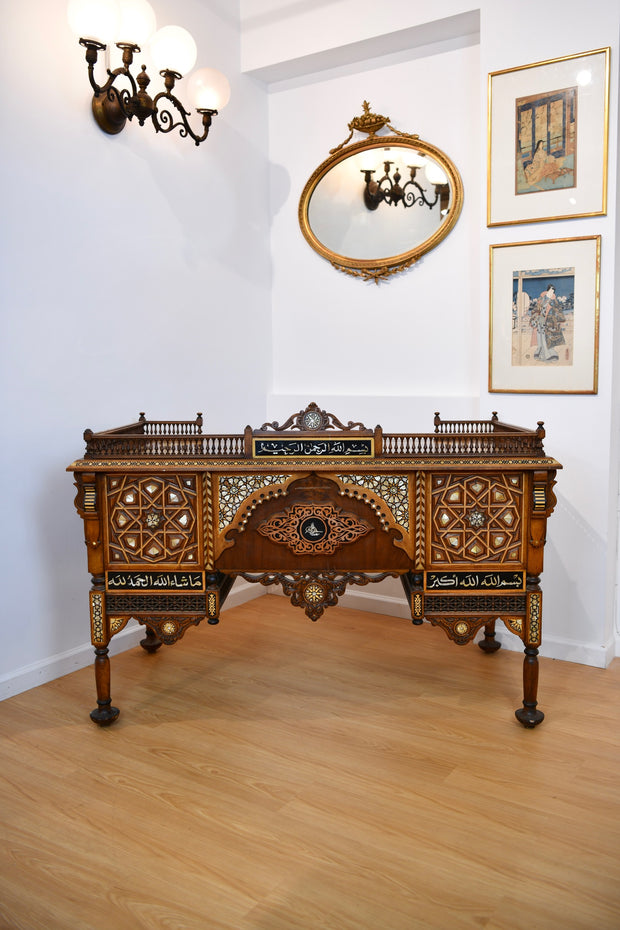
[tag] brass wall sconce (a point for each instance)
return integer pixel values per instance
(389, 190)
(129, 25)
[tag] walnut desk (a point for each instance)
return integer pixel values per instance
(173, 515)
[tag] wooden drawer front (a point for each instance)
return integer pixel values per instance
(476, 518)
(152, 520)
(314, 525)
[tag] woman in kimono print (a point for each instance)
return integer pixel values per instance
(547, 323)
(544, 166)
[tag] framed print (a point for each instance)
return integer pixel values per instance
(544, 314)
(548, 126)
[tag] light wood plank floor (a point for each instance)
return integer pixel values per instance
(270, 773)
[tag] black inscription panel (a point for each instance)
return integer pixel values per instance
(475, 581)
(155, 581)
(305, 448)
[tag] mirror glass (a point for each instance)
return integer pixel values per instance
(375, 206)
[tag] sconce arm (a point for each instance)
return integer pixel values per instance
(111, 106)
(411, 197)
(92, 53)
(164, 119)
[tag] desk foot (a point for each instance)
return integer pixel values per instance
(151, 641)
(529, 716)
(489, 643)
(104, 714)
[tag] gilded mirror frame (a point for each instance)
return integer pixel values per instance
(372, 124)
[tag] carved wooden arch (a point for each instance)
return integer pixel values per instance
(381, 509)
(258, 495)
(365, 493)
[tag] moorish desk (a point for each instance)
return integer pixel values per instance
(173, 515)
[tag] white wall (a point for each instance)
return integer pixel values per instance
(135, 276)
(396, 352)
(137, 271)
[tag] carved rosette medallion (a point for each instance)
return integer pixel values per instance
(312, 419)
(314, 529)
(314, 593)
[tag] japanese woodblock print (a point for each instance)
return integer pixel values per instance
(546, 132)
(544, 311)
(543, 307)
(547, 141)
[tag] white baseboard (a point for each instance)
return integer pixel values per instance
(553, 647)
(30, 676)
(52, 667)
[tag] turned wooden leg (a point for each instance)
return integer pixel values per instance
(489, 643)
(151, 641)
(104, 714)
(528, 715)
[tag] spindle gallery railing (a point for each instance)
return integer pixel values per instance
(481, 444)
(465, 426)
(184, 438)
(166, 446)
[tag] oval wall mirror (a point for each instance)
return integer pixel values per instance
(374, 207)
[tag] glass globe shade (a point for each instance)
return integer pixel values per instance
(363, 161)
(172, 48)
(208, 89)
(137, 22)
(435, 174)
(94, 19)
(416, 160)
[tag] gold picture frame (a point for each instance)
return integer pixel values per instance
(544, 316)
(548, 134)
(339, 212)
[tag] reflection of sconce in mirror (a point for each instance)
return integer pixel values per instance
(334, 218)
(125, 23)
(388, 189)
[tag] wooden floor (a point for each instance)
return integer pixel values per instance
(270, 773)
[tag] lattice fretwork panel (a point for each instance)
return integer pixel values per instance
(234, 489)
(392, 489)
(152, 520)
(476, 519)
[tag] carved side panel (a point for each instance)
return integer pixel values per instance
(88, 505)
(476, 518)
